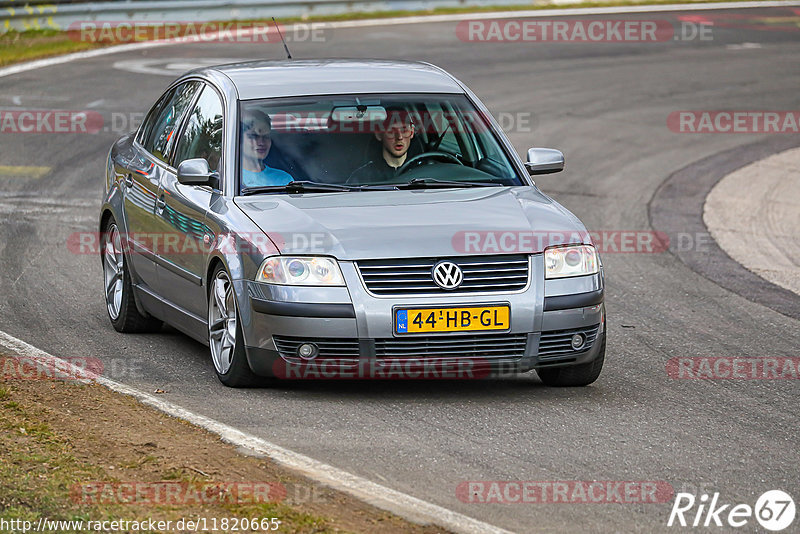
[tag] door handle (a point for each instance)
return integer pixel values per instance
(160, 203)
(129, 180)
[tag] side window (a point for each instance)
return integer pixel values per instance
(147, 124)
(159, 139)
(202, 137)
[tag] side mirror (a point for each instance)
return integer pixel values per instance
(196, 172)
(544, 161)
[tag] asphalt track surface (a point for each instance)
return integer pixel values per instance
(605, 105)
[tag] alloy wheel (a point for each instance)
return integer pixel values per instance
(222, 322)
(113, 271)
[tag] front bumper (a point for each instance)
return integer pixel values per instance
(353, 329)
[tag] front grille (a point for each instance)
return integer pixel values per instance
(461, 346)
(329, 348)
(414, 276)
(557, 343)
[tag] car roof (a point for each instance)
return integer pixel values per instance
(269, 79)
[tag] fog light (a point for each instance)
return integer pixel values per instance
(307, 351)
(577, 341)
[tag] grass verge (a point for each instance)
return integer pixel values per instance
(80, 452)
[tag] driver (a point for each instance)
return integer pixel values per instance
(395, 135)
(256, 144)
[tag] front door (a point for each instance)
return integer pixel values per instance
(181, 210)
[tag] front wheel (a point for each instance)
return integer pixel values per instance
(225, 333)
(574, 375)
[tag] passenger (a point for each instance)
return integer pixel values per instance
(395, 135)
(256, 143)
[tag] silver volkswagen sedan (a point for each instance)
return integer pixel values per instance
(346, 219)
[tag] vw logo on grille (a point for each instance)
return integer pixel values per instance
(447, 275)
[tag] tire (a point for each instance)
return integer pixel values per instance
(120, 302)
(225, 338)
(575, 375)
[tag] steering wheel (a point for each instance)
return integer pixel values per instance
(417, 160)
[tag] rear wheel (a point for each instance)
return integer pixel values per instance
(574, 375)
(225, 337)
(120, 303)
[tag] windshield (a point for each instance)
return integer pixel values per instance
(368, 142)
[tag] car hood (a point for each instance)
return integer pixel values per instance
(416, 223)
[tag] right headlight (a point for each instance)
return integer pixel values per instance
(570, 260)
(300, 271)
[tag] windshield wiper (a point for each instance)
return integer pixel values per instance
(302, 186)
(424, 183)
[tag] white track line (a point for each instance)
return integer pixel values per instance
(401, 504)
(538, 13)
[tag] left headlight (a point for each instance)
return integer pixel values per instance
(570, 260)
(300, 271)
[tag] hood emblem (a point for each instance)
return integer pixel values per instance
(447, 275)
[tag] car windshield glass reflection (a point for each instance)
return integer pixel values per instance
(369, 142)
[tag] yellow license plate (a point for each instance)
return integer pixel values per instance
(467, 319)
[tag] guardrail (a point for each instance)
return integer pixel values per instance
(23, 3)
(60, 16)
